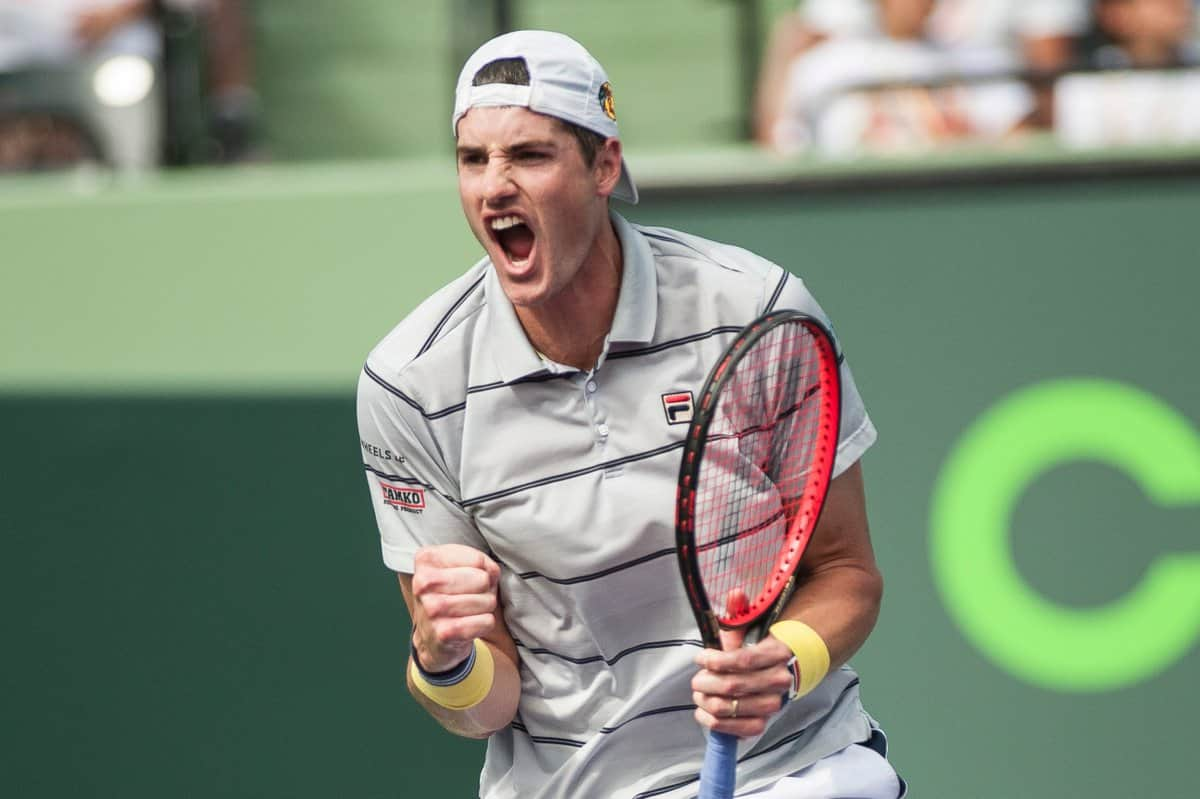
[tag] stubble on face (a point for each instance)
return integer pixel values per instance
(530, 199)
(541, 213)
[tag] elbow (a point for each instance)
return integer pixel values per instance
(875, 586)
(872, 594)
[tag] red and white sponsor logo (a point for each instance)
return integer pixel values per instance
(678, 406)
(406, 497)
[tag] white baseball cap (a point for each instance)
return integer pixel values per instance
(564, 82)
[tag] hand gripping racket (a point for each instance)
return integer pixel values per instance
(756, 467)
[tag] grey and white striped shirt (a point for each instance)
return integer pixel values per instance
(567, 479)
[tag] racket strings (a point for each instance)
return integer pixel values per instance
(759, 450)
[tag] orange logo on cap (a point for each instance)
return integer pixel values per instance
(606, 101)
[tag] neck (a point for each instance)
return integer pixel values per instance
(571, 329)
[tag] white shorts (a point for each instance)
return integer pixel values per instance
(856, 772)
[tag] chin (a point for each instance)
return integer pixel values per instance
(522, 296)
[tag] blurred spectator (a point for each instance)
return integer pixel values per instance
(30, 142)
(1038, 34)
(849, 93)
(41, 32)
(79, 83)
(1144, 33)
(1015, 34)
(233, 105)
(91, 72)
(1158, 103)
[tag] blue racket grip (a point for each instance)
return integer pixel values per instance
(719, 773)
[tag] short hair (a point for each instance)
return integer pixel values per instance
(514, 72)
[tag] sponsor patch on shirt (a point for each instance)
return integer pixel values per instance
(677, 405)
(381, 453)
(405, 498)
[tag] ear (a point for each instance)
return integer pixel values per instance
(607, 168)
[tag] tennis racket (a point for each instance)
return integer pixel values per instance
(757, 464)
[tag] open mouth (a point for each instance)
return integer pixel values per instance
(514, 237)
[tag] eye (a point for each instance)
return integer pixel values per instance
(471, 159)
(532, 156)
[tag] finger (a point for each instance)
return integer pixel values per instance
(736, 602)
(776, 679)
(492, 568)
(765, 654)
(450, 606)
(740, 727)
(451, 580)
(450, 555)
(732, 640)
(460, 629)
(752, 706)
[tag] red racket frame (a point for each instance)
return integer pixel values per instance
(813, 495)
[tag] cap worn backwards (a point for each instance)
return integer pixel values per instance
(565, 81)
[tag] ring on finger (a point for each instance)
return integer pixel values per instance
(733, 711)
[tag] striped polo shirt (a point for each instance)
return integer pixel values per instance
(567, 479)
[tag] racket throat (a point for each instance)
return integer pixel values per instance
(712, 629)
(780, 603)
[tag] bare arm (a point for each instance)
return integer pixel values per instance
(840, 587)
(789, 38)
(452, 599)
(93, 25)
(839, 593)
(1047, 54)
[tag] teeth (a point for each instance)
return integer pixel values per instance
(505, 222)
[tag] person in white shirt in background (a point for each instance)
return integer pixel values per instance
(1150, 91)
(849, 94)
(78, 34)
(1145, 33)
(46, 39)
(45, 32)
(1038, 35)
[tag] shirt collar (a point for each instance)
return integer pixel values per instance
(633, 322)
(637, 303)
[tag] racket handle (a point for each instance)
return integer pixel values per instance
(719, 773)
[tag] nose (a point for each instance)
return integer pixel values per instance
(498, 185)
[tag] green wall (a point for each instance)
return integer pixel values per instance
(375, 78)
(194, 602)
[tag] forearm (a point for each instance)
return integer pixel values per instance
(841, 603)
(789, 39)
(493, 713)
(839, 585)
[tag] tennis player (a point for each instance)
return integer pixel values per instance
(521, 432)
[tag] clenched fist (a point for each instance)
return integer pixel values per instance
(455, 593)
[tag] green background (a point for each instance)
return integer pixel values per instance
(194, 602)
(375, 78)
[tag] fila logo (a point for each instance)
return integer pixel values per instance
(677, 405)
(409, 499)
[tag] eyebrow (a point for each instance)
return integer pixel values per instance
(521, 146)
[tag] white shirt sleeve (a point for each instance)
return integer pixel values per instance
(839, 17)
(1038, 18)
(415, 498)
(857, 432)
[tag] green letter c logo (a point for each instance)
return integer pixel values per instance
(1026, 434)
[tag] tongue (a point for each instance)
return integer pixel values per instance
(517, 242)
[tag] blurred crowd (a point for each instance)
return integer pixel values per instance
(134, 83)
(142, 83)
(845, 76)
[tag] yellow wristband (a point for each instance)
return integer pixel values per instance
(465, 693)
(811, 654)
